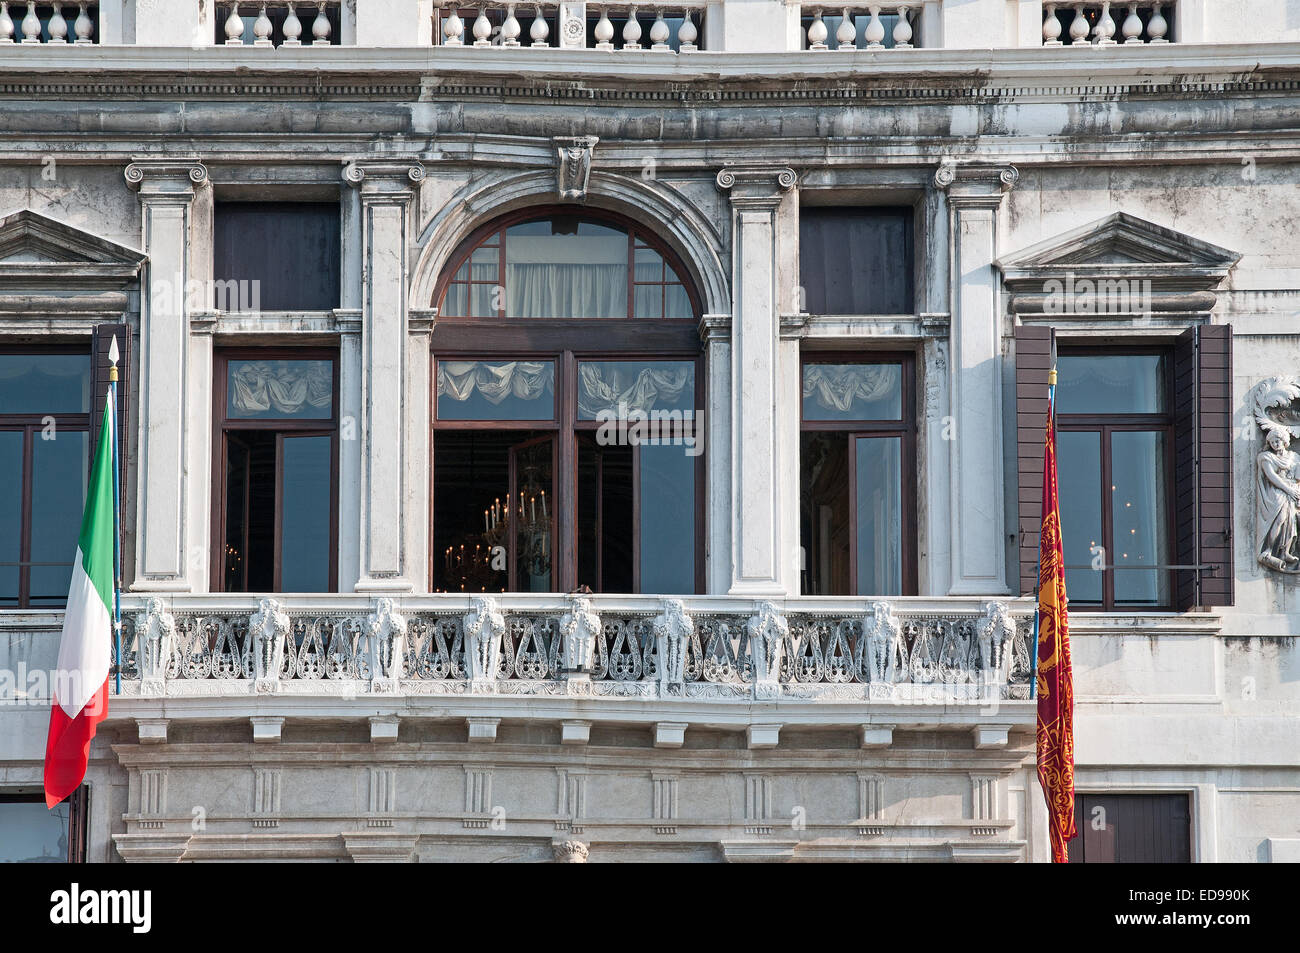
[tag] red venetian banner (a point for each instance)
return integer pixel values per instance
(1054, 682)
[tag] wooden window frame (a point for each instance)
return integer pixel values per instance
(567, 429)
(1106, 425)
(78, 816)
(317, 427)
(30, 425)
(904, 428)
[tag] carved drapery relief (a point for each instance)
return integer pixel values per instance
(485, 625)
(768, 633)
(673, 630)
(383, 648)
(268, 628)
(1277, 474)
(573, 166)
(156, 631)
(580, 627)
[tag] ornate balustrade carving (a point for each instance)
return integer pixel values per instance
(566, 25)
(883, 652)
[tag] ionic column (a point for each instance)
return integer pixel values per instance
(976, 465)
(170, 381)
(385, 545)
(761, 556)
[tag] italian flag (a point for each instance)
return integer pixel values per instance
(81, 678)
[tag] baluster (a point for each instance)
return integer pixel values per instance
(320, 27)
(453, 30)
(292, 29)
(1105, 30)
(1132, 28)
(234, 27)
(632, 31)
(875, 31)
(1157, 26)
(687, 34)
(482, 29)
(817, 32)
(847, 33)
(262, 28)
(903, 29)
(6, 23)
(84, 27)
(1051, 27)
(659, 32)
(510, 28)
(1078, 27)
(540, 29)
(604, 32)
(58, 26)
(31, 24)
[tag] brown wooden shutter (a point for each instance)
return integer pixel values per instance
(101, 338)
(1034, 355)
(1203, 466)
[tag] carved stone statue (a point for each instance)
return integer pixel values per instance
(573, 166)
(673, 630)
(485, 626)
(580, 627)
(155, 632)
(884, 645)
(768, 632)
(994, 634)
(1277, 475)
(569, 852)
(267, 629)
(383, 643)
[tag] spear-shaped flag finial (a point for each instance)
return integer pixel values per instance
(112, 358)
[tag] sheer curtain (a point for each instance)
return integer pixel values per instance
(526, 380)
(636, 386)
(566, 276)
(838, 386)
(288, 387)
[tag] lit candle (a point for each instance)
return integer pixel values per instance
(543, 504)
(532, 509)
(485, 521)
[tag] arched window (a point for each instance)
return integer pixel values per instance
(567, 425)
(566, 266)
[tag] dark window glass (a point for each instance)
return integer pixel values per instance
(667, 509)
(1078, 482)
(304, 530)
(276, 256)
(1113, 477)
(496, 390)
(563, 267)
(879, 479)
(1111, 384)
(852, 391)
(280, 389)
(856, 260)
(278, 446)
(59, 473)
(11, 514)
(623, 388)
(44, 383)
(32, 834)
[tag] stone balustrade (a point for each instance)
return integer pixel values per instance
(1106, 24)
(656, 27)
(854, 26)
(52, 24)
(906, 651)
(278, 24)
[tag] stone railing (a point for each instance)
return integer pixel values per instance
(904, 652)
(52, 24)
(1107, 24)
(860, 26)
(637, 26)
(289, 23)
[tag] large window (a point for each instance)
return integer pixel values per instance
(30, 833)
(1115, 456)
(857, 476)
(45, 404)
(856, 260)
(565, 456)
(276, 526)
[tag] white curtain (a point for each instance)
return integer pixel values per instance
(606, 385)
(837, 386)
(285, 386)
(526, 380)
(566, 291)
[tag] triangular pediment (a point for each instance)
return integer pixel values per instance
(1122, 240)
(29, 238)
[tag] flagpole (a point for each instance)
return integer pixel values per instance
(1051, 417)
(117, 521)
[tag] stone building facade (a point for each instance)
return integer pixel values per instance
(924, 204)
